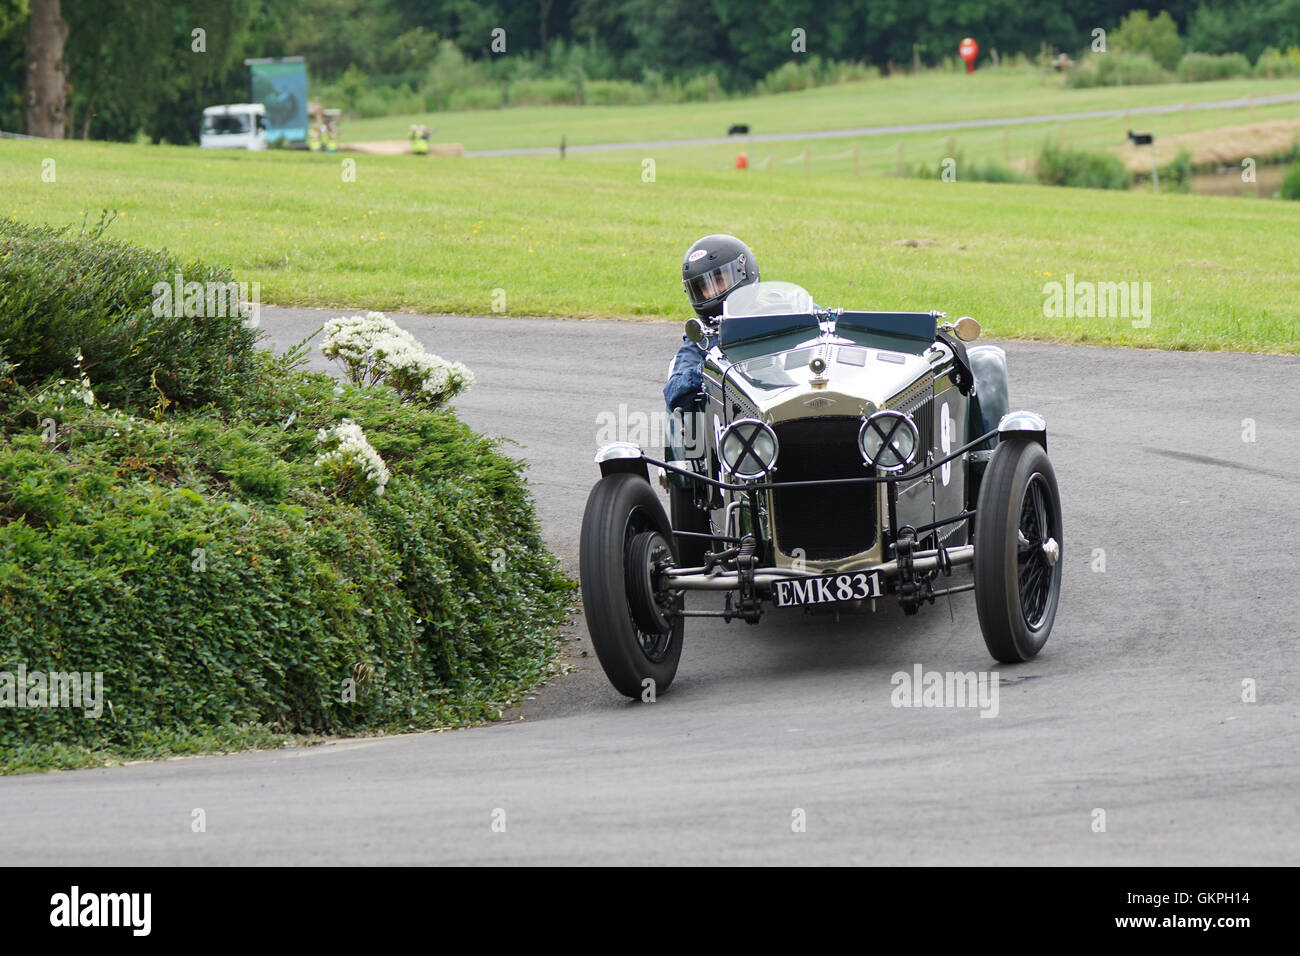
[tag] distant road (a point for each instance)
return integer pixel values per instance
(886, 130)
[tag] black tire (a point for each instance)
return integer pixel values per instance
(1017, 584)
(687, 516)
(621, 508)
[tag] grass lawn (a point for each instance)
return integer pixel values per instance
(1011, 145)
(927, 98)
(588, 237)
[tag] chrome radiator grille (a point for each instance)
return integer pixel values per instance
(829, 522)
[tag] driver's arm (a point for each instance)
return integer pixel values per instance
(685, 381)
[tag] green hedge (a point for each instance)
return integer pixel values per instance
(1291, 183)
(1117, 68)
(1202, 67)
(61, 292)
(1273, 63)
(226, 588)
(988, 171)
(1176, 175)
(1057, 166)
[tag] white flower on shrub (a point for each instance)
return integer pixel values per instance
(84, 393)
(374, 349)
(351, 456)
(65, 389)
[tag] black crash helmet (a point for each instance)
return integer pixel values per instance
(713, 268)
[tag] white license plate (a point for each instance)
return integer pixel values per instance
(828, 589)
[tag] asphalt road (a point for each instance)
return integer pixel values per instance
(1134, 708)
(856, 131)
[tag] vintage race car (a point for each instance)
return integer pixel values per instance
(842, 459)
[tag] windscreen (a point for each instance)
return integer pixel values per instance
(744, 336)
(768, 298)
(226, 124)
(911, 332)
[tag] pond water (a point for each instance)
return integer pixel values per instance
(1268, 179)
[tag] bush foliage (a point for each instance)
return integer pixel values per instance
(230, 589)
(571, 74)
(1118, 68)
(1273, 62)
(1291, 183)
(1203, 67)
(62, 292)
(1176, 175)
(972, 170)
(1156, 36)
(1058, 166)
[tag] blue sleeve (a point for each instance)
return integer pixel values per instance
(684, 383)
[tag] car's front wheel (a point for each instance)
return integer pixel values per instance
(1017, 550)
(625, 551)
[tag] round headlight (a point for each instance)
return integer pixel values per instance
(748, 448)
(888, 441)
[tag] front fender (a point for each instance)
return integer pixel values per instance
(990, 402)
(1025, 423)
(622, 456)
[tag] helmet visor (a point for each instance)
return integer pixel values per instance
(716, 282)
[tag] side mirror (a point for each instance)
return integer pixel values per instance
(696, 331)
(966, 329)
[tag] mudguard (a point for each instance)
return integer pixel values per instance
(988, 405)
(622, 456)
(990, 402)
(1030, 424)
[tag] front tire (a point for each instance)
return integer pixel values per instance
(625, 535)
(1017, 551)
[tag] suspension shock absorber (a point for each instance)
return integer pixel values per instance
(747, 607)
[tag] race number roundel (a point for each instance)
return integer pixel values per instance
(945, 444)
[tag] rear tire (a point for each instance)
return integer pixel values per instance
(1017, 551)
(622, 512)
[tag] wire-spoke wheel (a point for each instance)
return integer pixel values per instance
(1038, 550)
(632, 616)
(1017, 550)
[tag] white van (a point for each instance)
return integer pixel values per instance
(234, 126)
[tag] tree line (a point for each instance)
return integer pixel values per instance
(123, 69)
